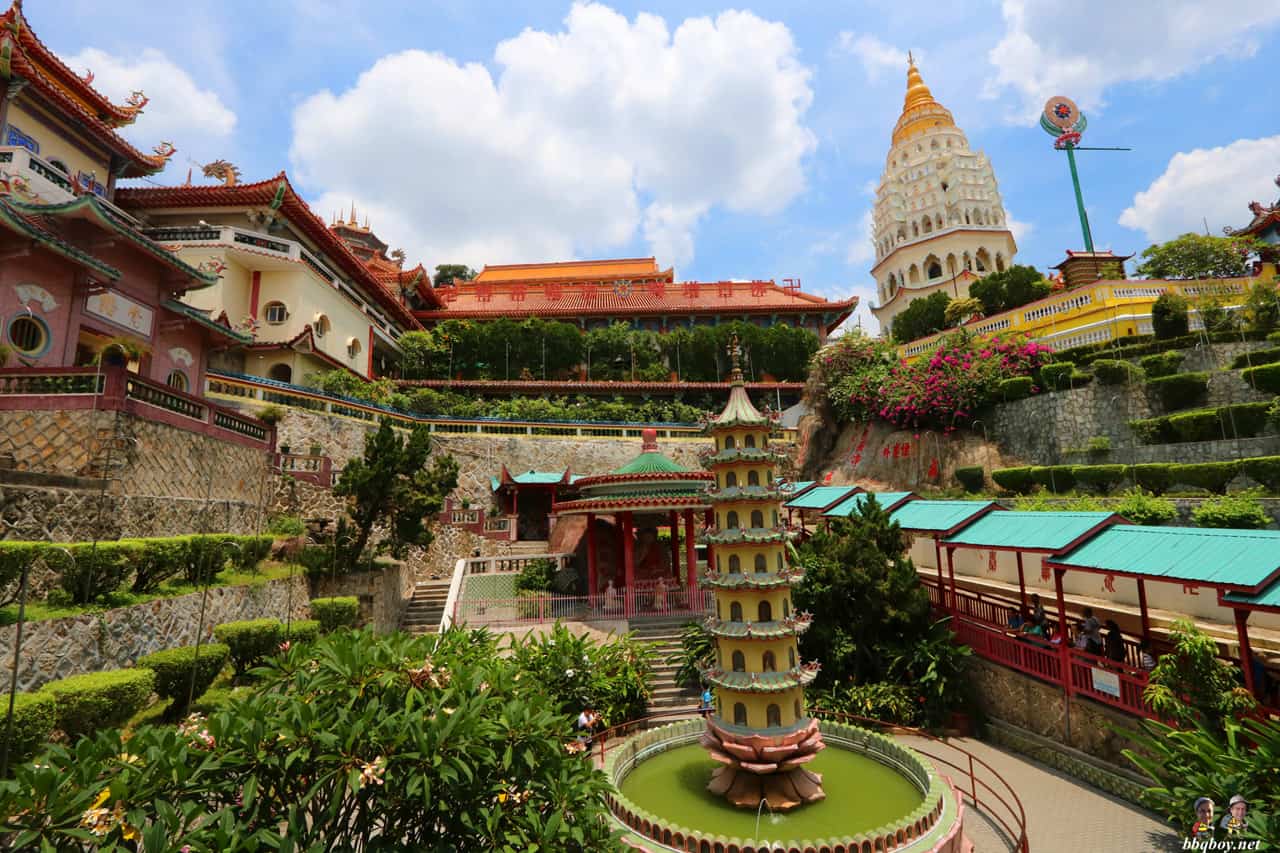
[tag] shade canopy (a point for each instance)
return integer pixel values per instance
(1048, 532)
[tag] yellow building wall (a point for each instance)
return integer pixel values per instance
(307, 298)
(1094, 313)
(44, 129)
(767, 509)
(750, 601)
(763, 472)
(757, 705)
(746, 554)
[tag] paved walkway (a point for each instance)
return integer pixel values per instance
(1063, 815)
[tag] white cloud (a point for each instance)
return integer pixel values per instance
(862, 248)
(582, 139)
(1079, 49)
(1213, 184)
(179, 111)
(876, 56)
(1017, 227)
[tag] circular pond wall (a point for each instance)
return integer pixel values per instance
(929, 818)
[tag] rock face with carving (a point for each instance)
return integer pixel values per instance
(758, 730)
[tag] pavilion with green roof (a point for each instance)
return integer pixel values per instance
(646, 493)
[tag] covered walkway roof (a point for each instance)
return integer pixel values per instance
(940, 517)
(1049, 532)
(853, 503)
(821, 497)
(1246, 560)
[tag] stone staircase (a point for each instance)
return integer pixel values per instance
(528, 547)
(664, 633)
(422, 616)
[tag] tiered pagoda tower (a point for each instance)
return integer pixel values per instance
(759, 729)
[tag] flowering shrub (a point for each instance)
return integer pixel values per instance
(358, 742)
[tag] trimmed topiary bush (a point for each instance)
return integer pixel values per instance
(302, 631)
(1056, 478)
(1016, 388)
(1161, 363)
(1016, 480)
(34, 718)
(1057, 375)
(1264, 378)
(1211, 476)
(1202, 425)
(176, 668)
(1155, 477)
(1101, 478)
(1113, 371)
(100, 700)
(1181, 390)
(1264, 470)
(972, 477)
(1241, 511)
(335, 613)
(250, 641)
(95, 570)
(1250, 419)
(1256, 358)
(1152, 430)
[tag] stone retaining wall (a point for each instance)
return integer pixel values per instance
(113, 639)
(383, 594)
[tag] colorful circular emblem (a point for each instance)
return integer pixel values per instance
(622, 288)
(1061, 112)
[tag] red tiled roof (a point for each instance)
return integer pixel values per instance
(48, 76)
(294, 208)
(609, 268)
(480, 301)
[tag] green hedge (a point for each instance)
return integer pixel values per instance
(1017, 480)
(34, 717)
(1112, 371)
(1101, 478)
(1211, 476)
(1135, 346)
(1056, 478)
(1162, 364)
(335, 613)
(1015, 388)
(1256, 358)
(1238, 512)
(1264, 470)
(250, 641)
(1263, 378)
(100, 700)
(1155, 477)
(1242, 420)
(175, 668)
(1057, 375)
(972, 477)
(302, 631)
(1181, 390)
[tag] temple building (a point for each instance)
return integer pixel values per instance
(79, 281)
(635, 291)
(1264, 227)
(939, 221)
(310, 297)
(760, 731)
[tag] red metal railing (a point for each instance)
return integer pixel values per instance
(987, 791)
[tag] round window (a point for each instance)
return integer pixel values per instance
(29, 336)
(177, 380)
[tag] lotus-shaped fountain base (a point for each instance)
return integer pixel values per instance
(769, 767)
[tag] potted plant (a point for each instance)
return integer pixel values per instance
(271, 415)
(316, 449)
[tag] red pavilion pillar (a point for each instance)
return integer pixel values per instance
(629, 560)
(673, 522)
(709, 520)
(690, 555)
(1246, 651)
(593, 577)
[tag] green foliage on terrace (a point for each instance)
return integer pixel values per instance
(1242, 420)
(1157, 477)
(357, 742)
(556, 350)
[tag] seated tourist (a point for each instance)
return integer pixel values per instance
(1037, 612)
(1146, 660)
(1032, 628)
(1091, 629)
(1114, 642)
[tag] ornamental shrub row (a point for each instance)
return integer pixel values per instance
(89, 571)
(1156, 478)
(1256, 358)
(98, 700)
(251, 641)
(1140, 345)
(1016, 388)
(1241, 420)
(1265, 377)
(34, 718)
(1112, 371)
(1181, 390)
(971, 477)
(1162, 363)
(334, 613)
(182, 675)
(1057, 375)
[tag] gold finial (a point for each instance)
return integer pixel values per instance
(911, 60)
(919, 108)
(735, 357)
(352, 220)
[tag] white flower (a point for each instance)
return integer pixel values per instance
(568, 673)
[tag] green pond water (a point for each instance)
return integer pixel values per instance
(862, 794)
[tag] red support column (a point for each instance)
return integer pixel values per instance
(1064, 647)
(1142, 606)
(629, 561)
(593, 578)
(942, 583)
(690, 554)
(1022, 581)
(709, 521)
(951, 572)
(1246, 652)
(673, 522)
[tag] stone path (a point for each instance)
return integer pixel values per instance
(1063, 815)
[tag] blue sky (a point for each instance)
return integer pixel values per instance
(732, 141)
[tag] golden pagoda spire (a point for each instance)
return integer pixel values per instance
(919, 108)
